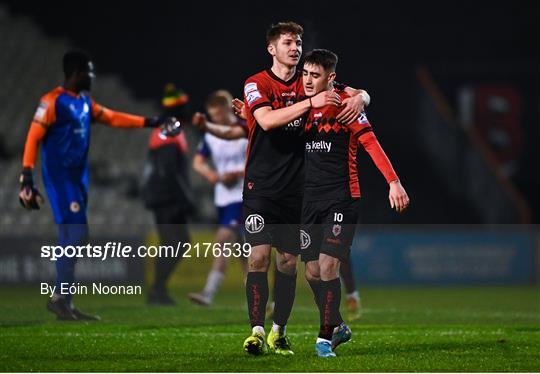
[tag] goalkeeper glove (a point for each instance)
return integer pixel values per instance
(29, 196)
(170, 126)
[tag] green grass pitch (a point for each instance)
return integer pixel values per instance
(486, 329)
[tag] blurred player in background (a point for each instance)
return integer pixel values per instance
(166, 191)
(227, 175)
(274, 181)
(352, 295)
(332, 194)
(62, 124)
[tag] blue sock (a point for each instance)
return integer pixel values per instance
(69, 234)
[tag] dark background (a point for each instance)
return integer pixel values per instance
(204, 46)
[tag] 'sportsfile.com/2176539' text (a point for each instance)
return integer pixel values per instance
(118, 250)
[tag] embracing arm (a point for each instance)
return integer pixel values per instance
(353, 105)
(269, 118)
(221, 131)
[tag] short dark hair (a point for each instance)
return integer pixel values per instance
(323, 57)
(75, 60)
(277, 29)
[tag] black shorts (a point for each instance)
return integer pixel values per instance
(274, 222)
(328, 227)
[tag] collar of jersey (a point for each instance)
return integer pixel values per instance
(70, 93)
(276, 78)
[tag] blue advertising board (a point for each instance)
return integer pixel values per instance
(443, 257)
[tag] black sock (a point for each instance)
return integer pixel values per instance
(345, 270)
(316, 288)
(257, 297)
(283, 297)
(329, 310)
(273, 298)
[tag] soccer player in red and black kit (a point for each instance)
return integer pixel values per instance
(332, 193)
(274, 179)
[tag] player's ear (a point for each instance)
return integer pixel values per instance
(331, 77)
(271, 49)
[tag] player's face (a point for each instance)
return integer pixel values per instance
(219, 114)
(316, 79)
(287, 49)
(86, 77)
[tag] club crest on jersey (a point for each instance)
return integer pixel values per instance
(289, 103)
(74, 207)
(254, 223)
(305, 240)
(336, 229)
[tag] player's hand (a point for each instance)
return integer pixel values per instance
(352, 107)
(239, 108)
(212, 177)
(229, 179)
(399, 200)
(199, 121)
(29, 196)
(325, 98)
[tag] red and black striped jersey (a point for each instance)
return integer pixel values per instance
(331, 153)
(275, 158)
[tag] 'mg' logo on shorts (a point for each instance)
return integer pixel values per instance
(305, 240)
(254, 223)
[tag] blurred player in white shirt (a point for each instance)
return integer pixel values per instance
(228, 158)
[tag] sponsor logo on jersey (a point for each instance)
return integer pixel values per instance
(317, 115)
(295, 124)
(318, 146)
(288, 94)
(305, 240)
(254, 223)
